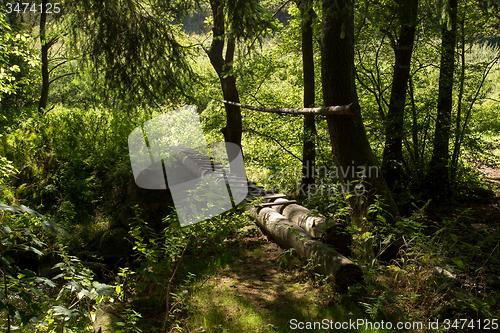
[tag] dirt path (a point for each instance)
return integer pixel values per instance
(261, 290)
(492, 175)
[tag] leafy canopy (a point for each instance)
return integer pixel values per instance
(136, 45)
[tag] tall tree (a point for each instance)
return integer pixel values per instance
(309, 142)
(438, 176)
(350, 145)
(403, 47)
(45, 47)
(224, 66)
(138, 48)
(233, 21)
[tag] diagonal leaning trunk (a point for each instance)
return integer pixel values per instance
(393, 150)
(351, 150)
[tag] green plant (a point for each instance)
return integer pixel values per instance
(285, 255)
(130, 319)
(17, 281)
(39, 302)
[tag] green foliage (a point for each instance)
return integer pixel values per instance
(17, 281)
(27, 300)
(70, 158)
(144, 63)
(130, 320)
(17, 62)
(72, 163)
(6, 169)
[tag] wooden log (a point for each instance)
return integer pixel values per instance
(282, 203)
(314, 225)
(274, 196)
(318, 226)
(326, 260)
(349, 109)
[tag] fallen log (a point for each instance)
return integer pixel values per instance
(315, 225)
(326, 260)
(318, 226)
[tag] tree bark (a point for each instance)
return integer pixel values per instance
(42, 103)
(438, 176)
(456, 146)
(223, 66)
(326, 260)
(393, 153)
(350, 146)
(309, 141)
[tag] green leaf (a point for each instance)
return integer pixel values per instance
(35, 250)
(453, 237)
(387, 240)
(9, 208)
(103, 289)
(83, 293)
(45, 281)
(62, 311)
(7, 260)
(381, 218)
(491, 257)
(491, 300)
(75, 286)
(458, 262)
(47, 225)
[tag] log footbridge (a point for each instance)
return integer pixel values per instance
(289, 224)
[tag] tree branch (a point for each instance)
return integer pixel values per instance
(275, 140)
(60, 76)
(349, 109)
(59, 64)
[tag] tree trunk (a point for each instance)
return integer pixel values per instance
(223, 66)
(456, 146)
(351, 150)
(326, 260)
(309, 145)
(414, 127)
(438, 176)
(393, 153)
(42, 103)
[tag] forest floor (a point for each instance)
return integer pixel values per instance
(492, 175)
(258, 287)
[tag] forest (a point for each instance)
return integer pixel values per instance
(356, 145)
